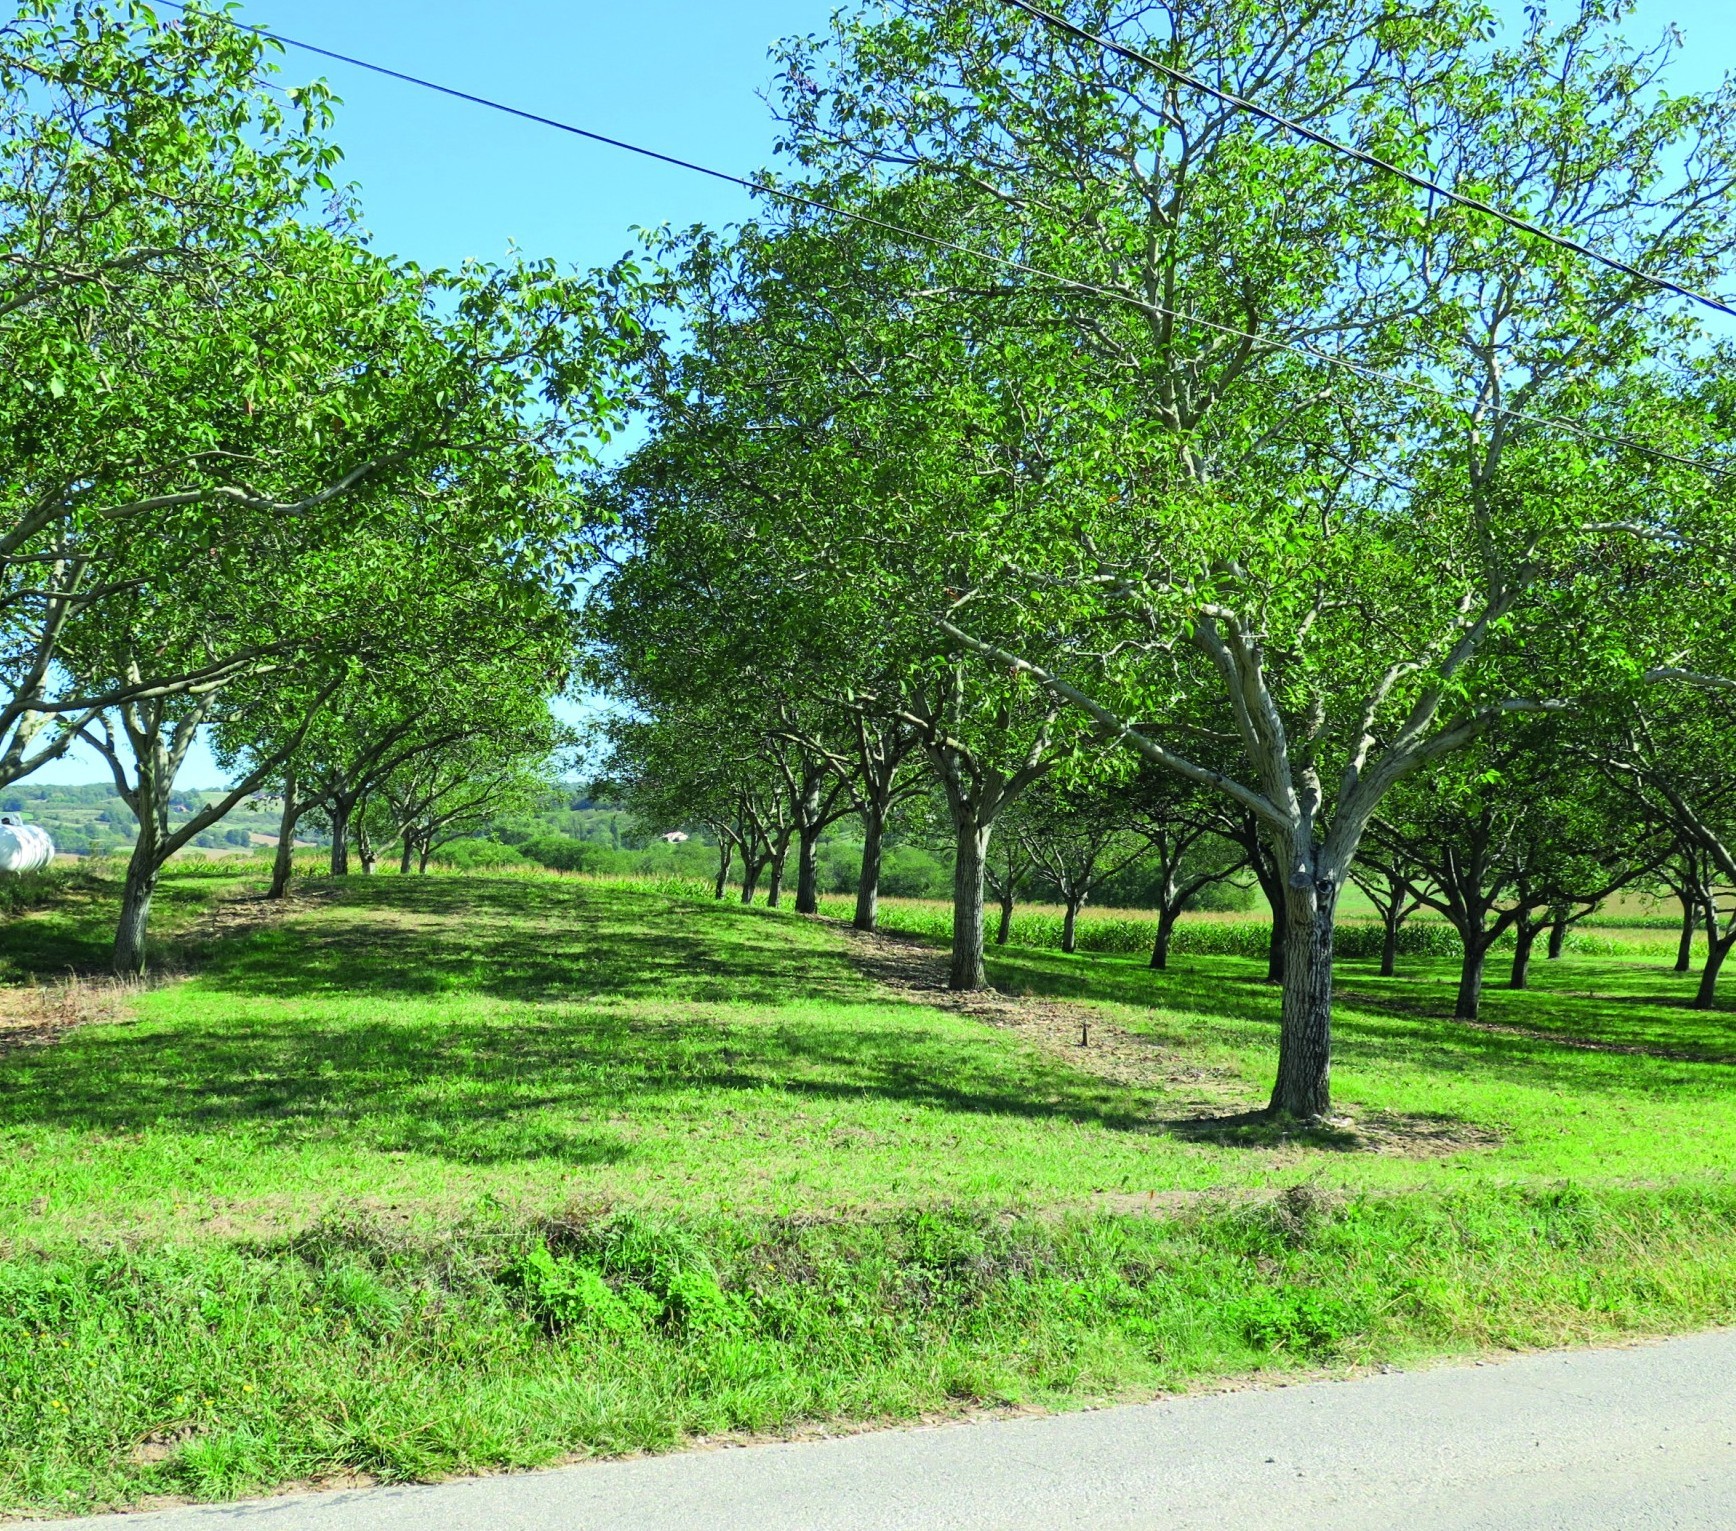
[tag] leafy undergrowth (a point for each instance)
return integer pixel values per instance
(212, 1372)
(441, 1174)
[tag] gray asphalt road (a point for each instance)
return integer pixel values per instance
(1610, 1440)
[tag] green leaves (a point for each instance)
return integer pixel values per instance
(249, 452)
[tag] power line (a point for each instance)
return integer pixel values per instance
(475, 100)
(1326, 141)
(814, 204)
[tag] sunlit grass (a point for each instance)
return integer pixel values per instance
(266, 1227)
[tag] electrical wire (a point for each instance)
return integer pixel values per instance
(1326, 141)
(771, 189)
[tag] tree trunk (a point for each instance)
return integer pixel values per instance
(1276, 902)
(1276, 966)
(365, 849)
(775, 885)
(425, 849)
(405, 861)
(340, 840)
(966, 970)
(725, 855)
(868, 884)
(808, 873)
(1304, 1087)
(283, 865)
(1685, 947)
(1524, 934)
(1558, 935)
(1390, 918)
(1070, 927)
(1160, 947)
(1716, 951)
(1004, 931)
(1469, 1001)
(141, 883)
(750, 875)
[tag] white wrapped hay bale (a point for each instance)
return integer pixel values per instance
(23, 847)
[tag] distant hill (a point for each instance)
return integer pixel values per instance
(92, 819)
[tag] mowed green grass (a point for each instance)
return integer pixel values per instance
(275, 1224)
(417, 1043)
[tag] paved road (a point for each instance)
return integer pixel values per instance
(1610, 1440)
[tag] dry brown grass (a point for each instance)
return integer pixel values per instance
(34, 1013)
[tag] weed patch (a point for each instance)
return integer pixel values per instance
(217, 1371)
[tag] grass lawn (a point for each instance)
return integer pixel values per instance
(450, 1173)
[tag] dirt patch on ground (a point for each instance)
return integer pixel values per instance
(1079, 1035)
(1194, 1098)
(243, 913)
(1421, 1136)
(1408, 1135)
(32, 1014)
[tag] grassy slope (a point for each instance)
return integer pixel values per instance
(274, 1226)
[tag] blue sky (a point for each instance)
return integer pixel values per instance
(442, 180)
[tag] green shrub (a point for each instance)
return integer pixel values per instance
(620, 1275)
(839, 866)
(472, 854)
(562, 1293)
(908, 871)
(1298, 1321)
(559, 853)
(693, 1300)
(663, 1259)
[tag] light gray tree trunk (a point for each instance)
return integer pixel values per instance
(1690, 926)
(1558, 935)
(966, 968)
(775, 883)
(1468, 1003)
(283, 865)
(1524, 935)
(136, 894)
(1717, 949)
(1390, 919)
(808, 872)
(751, 867)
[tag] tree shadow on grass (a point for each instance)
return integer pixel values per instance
(75, 934)
(1407, 1021)
(1218, 986)
(1660, 1023)
(1260, 1129)
(531, 939)
(517, 1087)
